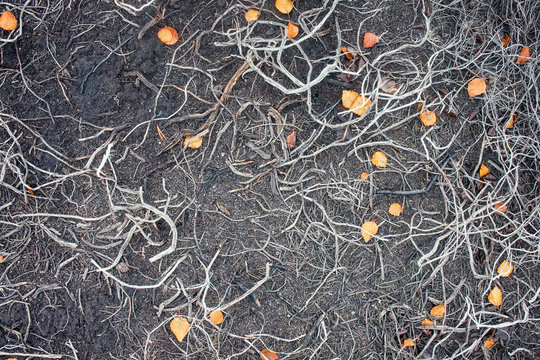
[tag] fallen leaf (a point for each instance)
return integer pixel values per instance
(179, 327)
(484, 170)
(252, 15)
(505, 268)
(500, 208)
(223, 208)
(408, 343)
(1, 258)
(195, 144)
(476, 86)
(216, 317)
(510, 123)
(438, 311)
(369, 228)
(506, 40)
(292, 30)
(357, 103)
(291, 139)
(8, 21)
(495, 296)
(160, 134)
(267, 354)
(427, 322)
(348, 54)
(370, 39)
(395, 209)
(30, 191)
(524, 56)
(489, 343)
(284, 6)
(388, 86)
(428, 117)
(168, 35)
(364, 176)
(379, 159)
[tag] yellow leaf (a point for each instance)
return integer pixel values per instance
(524, 56)
(438, 311)
(395, 209)
(505, 268)
(370, 39)
(284, 6)
(357, 103)
(369, 228)
(179, 327)
(408, 343)
(428, 117)
(216, 317)
(292, 30)
(195, 144)
(267, 354)
(495, 296)
(252, 15)
(489, 343)
(427, 322)
(484, 170)
(364, 176)
(476, 87)
(379, 159)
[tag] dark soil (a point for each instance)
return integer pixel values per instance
(78, 92)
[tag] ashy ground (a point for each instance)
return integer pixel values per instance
(112, 225)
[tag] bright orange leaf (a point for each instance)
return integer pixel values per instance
(369, 228)
(357, 103)
(267, 354)
(495, 296)
(484, 170)
(506, 40)
(179, 327)
(252, 15)
(379, 159)
(438, 311)
(347, 52)
(291, 139)
(292, 30)
(284, 6)
(505, 268)
(408, 343)
(500, 208)
(395, 209)
(8, 21)
(216, 317)
(364, 176)
(427, 322)
(510, 123)
(168, 35)
(524, 56)
(489, 343)
(195, 144)
(476, 86)
(370, 39)
(428, 117)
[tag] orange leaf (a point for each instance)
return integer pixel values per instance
(292, 30)
(370, 39)
(395, 209)
(379, 159)
(369, 228)
(428, 117)
(216, 317)
(30, 191)
(495, 296)
(347, 52)
(500, 208)
(1, 258)
(357, 103)
(510, 123)
(364, 176)
(506, 40)
(252, 15)
(195, 144)
(408, 343)
(427, 322)
(524, 56)
(489, 343)
(284, 6)
(291, 139)
(168, 35)
(8, 21)
(477, 86)
(505, 268)
(438, 311)
(267, 354)
(179, 327)
(484, 170)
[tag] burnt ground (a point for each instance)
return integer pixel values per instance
(110, 227)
